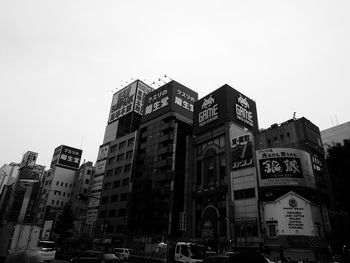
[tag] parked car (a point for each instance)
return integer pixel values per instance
(93, 256)
(122, 253)
(47, 250)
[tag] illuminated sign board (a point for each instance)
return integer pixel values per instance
(128, 99)
(66, 157)
(171, 97)
(285, 166)
(224, 104)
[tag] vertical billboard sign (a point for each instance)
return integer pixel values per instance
(241, 147)
(171, 97)
(285, 166)
(122, 102)
(225, 104)
(128, 99)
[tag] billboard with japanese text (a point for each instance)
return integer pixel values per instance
(171, 97)
(225, 104)
(284, 166)
(66, 157)
(241, 147)
(128, 99)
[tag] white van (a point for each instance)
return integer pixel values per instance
(47, 250)
(188, 252)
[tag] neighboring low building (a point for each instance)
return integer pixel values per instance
(335, 134)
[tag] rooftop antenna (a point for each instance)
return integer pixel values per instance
(166, 76)
(159, 79)
(294, 115)
(336, 120)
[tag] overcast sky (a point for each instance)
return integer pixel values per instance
(61, 60)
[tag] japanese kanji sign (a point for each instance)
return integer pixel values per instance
(285, 166)
(67, 157)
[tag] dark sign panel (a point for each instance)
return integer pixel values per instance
(285, 166)
(225, 104)
(128, 99)
(67, 157)
(242, 151)
(171, 97)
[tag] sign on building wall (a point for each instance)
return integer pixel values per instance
(100, 167)
(241, 147)
(293, 215)
(128, 99)
(66, 157)
(103, 152)
(171, 97)
(285, 166)
(225, 104)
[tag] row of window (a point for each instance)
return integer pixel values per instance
(113, 213)
(118, 170)
(116, 184)
(122, 145)
(120, 157)
(114, 198)
(59, 193)
(64, 184)
(58, 202)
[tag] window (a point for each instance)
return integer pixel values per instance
(118, 170)
(244, 193)
(127, 168)
(104, 199)
(120, 157)
(107, 186)
(110, 160)
(88, 172)
(131, 142)
(64, 193)
(61, 183)
(66, 184)
(116, 184)
(52, 202)
(222, 168)
(123, 197)
(57, 182)
(112, 213)
(114, 198)
(87, 181)
(122, 212)
(125, 181)
(102, 214)
(272, 229)
(121, 145)
(109, 173)
(113, 148)
(128, 155)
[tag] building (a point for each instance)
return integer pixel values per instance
(81, 186)
(160, 167)
(57, 186)
(224, 211)
(111, 181)
(335, 134)
(294, 190)
(8, 174)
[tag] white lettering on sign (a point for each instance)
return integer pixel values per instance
(210, 111)
(242, 111)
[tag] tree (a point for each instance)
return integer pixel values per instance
(65, 223)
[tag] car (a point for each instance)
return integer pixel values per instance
(122, 253)
(47, 250)
(94, 256)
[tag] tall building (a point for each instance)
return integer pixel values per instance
(159, 173)
(111, 181)
(57, 186)
(8, 174)
(294, 190)
(224, 208)
(335, 134)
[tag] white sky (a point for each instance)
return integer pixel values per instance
(60, 61)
